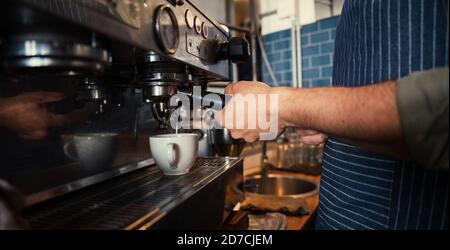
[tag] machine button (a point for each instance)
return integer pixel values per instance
(189, 17)
(198, 25)
(205, 30)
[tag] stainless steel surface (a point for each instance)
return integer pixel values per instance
(146, 199)
(224, 144)
(277, 186)
(54, 192)
(159, 90)
(160, 79)
(95, 66)
(161, 112)
(92, 90)
(34, 56)
(101, 17)
(50, 49)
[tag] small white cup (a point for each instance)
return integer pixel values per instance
(174, 153)
(92, 150)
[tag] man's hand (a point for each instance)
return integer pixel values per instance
(249, 105)
(311, 137)
(27, 114)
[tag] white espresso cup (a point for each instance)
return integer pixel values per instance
(92, 150)
(174, 154)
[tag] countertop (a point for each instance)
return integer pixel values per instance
(252, 163)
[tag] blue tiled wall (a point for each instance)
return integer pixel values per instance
(317, 54)
(279, 54)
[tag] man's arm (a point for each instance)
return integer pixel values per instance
(364, 116)
(406, 119)
(422, 101)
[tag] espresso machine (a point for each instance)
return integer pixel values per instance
(83, 84)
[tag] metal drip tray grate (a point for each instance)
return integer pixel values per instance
(126, 201)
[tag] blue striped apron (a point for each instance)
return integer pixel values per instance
(376, 41)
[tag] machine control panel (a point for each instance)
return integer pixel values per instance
(200, 38)
(177, 29)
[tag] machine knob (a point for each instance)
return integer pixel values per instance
(237, 50)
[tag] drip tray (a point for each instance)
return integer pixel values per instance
(144, 199)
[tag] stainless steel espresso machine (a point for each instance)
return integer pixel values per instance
(83, 84)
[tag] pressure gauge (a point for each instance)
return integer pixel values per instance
(189, 18)
(198, 25)
(205, 30)
(166, 29)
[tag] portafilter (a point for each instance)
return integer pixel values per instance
(224, 144)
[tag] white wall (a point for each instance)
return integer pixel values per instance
(322, 11)
(284, 13)
(337, 7)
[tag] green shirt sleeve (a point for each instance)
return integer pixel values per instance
(422, 101)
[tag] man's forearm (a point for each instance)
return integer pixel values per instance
(363, 114)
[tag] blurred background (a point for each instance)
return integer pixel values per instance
(282, 28)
